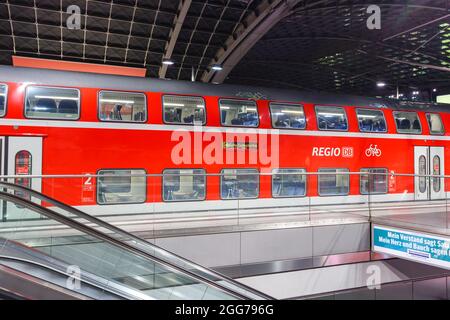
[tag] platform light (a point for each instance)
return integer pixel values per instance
(57, 98)
(168, 62)
(381, 84)
(434, 90)
(217, 67)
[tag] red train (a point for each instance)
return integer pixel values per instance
(210, 142)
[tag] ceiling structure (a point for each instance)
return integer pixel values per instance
(306, 44)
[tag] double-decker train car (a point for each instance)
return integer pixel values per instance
(212, 144)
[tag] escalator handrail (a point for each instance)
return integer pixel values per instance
(113, 241)
(124, 233)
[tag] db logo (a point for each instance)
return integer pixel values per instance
(373, 151)
(347, 152)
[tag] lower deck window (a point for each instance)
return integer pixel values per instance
(334, 184)
(121, 186)
(374, 182)
(184, 185)
(239, 183)
(288, 183)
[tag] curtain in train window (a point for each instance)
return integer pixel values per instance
(184, 110)
(239, 113)
(407, 122)
(288, 183)
(23, 165)
(122, 106)
(371, 120)
(239, 183)
(287, 116)
(52, 103)
(375, 182)
(121, 186)
(3, 98)
(333, 184)
(184, 185)
(331, 118)
(435, 123)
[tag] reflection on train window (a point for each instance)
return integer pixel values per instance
(3, 98)
(242, 113)
(122, 106)
(239, 183)
(435, 123)
(333, 184)
(407, 122)
(288, 183)
(371, 120)
(184, 110)
(375, 182)
(184, 184)
(331, 118)
(287, 116)
(52, 103)
(118, 186)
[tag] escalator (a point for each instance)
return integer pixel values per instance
(71, 255)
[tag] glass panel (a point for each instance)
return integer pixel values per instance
(331, 118)
(239, 113)
(407, 122)
(239, 183)
(184, 110)
(122, 106)
(374, 183)
(23, 166)
(371, 120)
(52, 103)
(333, 184)
(288, 183)
(422, 171)
(3, 98)
(184, 185)
(437, 172)
(435, 123)
(287, 116)
(117, 186)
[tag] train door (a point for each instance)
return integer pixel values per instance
(429, 161)
(23, 158)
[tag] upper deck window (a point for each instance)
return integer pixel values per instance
(371, 120)
(331, 118)
(238, 113)
(122, 106)
(407, 122)
(184, 110)
(52, 103)
(3, 98)
(287, 116)
(435, 123)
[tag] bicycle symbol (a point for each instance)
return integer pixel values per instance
(373, 151)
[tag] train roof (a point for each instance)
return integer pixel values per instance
(115, 82)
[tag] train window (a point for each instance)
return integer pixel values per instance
(23, 167)
(375, 182)
(370, 120)
(407, 122)
(3, 98)
(288, 183)
(239, 183)
(184, 184)
(122, 106)
(435, 123)
(184, 110)
(331, 118)
(287, 116)
(52, 103)
(333, 184)
(120, 186)
(239, 113)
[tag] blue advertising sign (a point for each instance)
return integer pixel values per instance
(412, 245)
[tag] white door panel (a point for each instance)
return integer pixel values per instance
(429, 161)
(437, 186)
(421, 185)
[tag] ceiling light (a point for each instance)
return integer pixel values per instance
(168, 62)
(434, 90)
(381, 84)
(217, 67)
